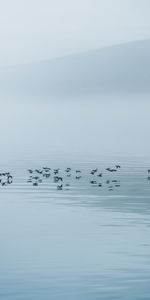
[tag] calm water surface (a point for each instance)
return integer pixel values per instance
(80, 243)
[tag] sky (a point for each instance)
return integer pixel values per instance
(33, 30)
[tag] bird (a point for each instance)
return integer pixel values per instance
(46, 173)
(46, 168)
(56, 178)
(56, 171)
(59, 187)
(60, 178)
(92, 172)
(110, 187)
(39, 171)
(118, 166)
(78, 177)
(30, 171)
(112, 170)
(29, 180)
(35, 183)
(6, 178)
(93, 182)
(100, 175)
(9, 179)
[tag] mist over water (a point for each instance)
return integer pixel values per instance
(74, 127)
(84, 241)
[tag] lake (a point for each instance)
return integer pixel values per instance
(82, 242)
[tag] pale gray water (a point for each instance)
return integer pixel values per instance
(81, 243)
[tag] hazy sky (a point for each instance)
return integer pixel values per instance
(40, 29)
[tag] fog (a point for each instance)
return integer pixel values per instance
(84, 105)
(34, 30)
(121, 69)
(33, 129)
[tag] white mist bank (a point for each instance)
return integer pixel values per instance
(66, 128)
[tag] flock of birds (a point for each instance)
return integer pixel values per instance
(5, 178)
(95, 179)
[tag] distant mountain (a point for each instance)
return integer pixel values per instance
(119, 69)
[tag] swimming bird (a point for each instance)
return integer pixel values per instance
(56, 171)
(39, 171)
(29, 180)
(46, 168)
(78, 177)
(30, 171)
(92, 172)
(35, 183)
(56, 178)
(9, 179)
(59, 187)
(60, 178)
(118, 166)
(100, 175)
(112, 170)
(108, 181)
(93, 182)
(6, 178)
(46, 174)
